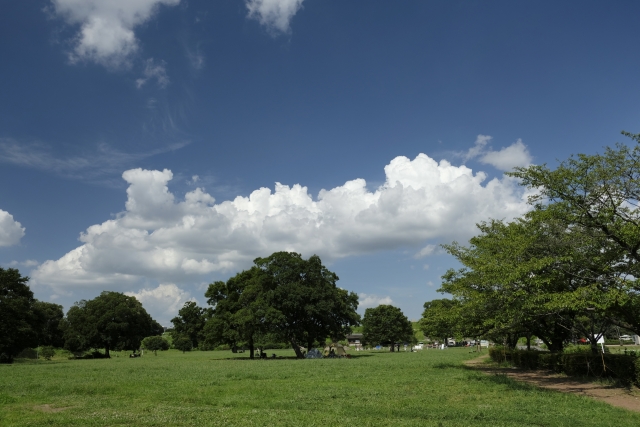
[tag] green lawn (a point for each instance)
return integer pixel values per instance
(428, 388)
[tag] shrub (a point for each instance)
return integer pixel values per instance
(183, 344)
(47, 352)
(27, 353)
(575, 362)
(155, 343)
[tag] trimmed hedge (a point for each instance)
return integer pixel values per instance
(624, 367)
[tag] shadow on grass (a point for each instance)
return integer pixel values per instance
(294, 358)
(448, 365)
(495, 378)
(503, 379)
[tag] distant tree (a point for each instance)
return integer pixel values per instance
(110, 321)
(190, 322)
(18, 322)
(306, 305)
(48, 317)
(386, 325)
(155, 343)
(183, 344)
(440, 319)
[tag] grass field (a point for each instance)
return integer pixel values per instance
(428, 388)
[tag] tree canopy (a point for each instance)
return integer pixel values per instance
(386, 325)
(190, 322)
(18, 321)
(239, 314)
(110, 321)
(282, 296)
(566, 269)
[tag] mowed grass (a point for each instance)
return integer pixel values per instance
(428, 388)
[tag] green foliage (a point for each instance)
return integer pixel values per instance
(112, 321)
(47, 352)
(624, 367)
(18, 321)
(282, 298)
(190, 322)
(597, 195)
(183, 344)
(386, 325)
(155, 343)
(568, 268)
(307, 305)
(441, 319)
(49, 316)
(239, 312)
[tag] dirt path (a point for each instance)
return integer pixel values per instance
(616, 396)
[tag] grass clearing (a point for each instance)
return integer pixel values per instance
(428, 388)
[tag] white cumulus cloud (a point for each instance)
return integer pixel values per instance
(273, 14)
(369, 300)
(507, 158)
(11, 231)
(106, 34)
(161, 237)
(162, 302)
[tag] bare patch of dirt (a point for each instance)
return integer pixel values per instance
(50, 409)
(627, 398)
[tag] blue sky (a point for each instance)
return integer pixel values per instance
(141, 140)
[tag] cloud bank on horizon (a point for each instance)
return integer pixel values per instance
(160, 238)
(11, 231)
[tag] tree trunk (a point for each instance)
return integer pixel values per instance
(106, 351)
(392, 347)
(296, 348)
(251, 348)
(529, 342)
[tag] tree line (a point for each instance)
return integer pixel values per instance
(282, 298)
(567, 269)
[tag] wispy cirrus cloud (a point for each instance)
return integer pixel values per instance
(154, 70)
(93, 165)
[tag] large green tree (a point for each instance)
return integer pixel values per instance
(386, 325)
(18, 321)
(239, 311)
(282, 297)
(535, 276)
(307, 305)
(190, 322)
(598, 193)
(49, 316)
(110, 321)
